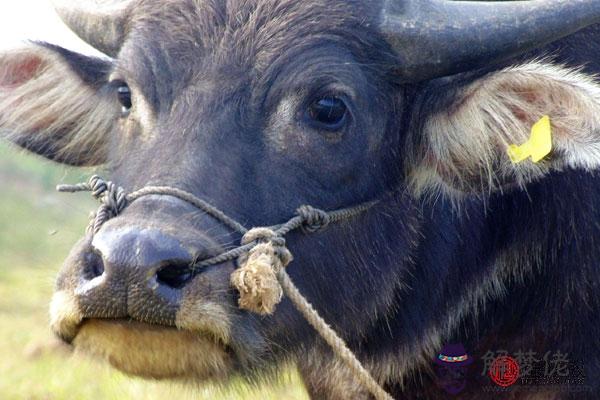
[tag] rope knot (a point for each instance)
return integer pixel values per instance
(313, 219)
(113, 201)
(97, 186)
(257, 279)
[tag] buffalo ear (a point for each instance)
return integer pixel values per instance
(461, 146)
(55, 103)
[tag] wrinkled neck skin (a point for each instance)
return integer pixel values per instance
(498, 274)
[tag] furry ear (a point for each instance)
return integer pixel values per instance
(55, 103)
(461, 147)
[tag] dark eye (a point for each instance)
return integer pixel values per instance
(328, 112)
(124, 96)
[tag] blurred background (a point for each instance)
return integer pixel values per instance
(37, 229)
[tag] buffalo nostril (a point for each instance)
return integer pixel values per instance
(174, 276)
(94, 266)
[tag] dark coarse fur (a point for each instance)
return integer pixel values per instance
(510, 267)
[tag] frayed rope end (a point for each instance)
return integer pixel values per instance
(256, 278)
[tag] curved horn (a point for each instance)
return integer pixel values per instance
(100, 23)
(437, 37)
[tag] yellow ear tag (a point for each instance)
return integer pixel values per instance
(538, 146)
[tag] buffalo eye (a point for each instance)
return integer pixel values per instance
(329, 112)
(124, 96)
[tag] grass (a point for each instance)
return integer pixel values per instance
(37, 229)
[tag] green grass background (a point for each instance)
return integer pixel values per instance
(37, 228)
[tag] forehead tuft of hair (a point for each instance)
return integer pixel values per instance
(256, 32)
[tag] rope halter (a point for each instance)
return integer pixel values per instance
(262, 256)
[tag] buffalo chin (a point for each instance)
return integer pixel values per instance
(152, 351)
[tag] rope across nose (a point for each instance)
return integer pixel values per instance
(114, 199)
(262, 256)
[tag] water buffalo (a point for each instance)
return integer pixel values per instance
(260, 106)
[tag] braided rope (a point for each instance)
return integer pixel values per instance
(262, 257)
(191, 199)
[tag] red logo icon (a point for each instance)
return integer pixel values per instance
(504, 371)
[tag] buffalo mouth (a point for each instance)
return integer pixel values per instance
(153, 351)
(196, 347)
